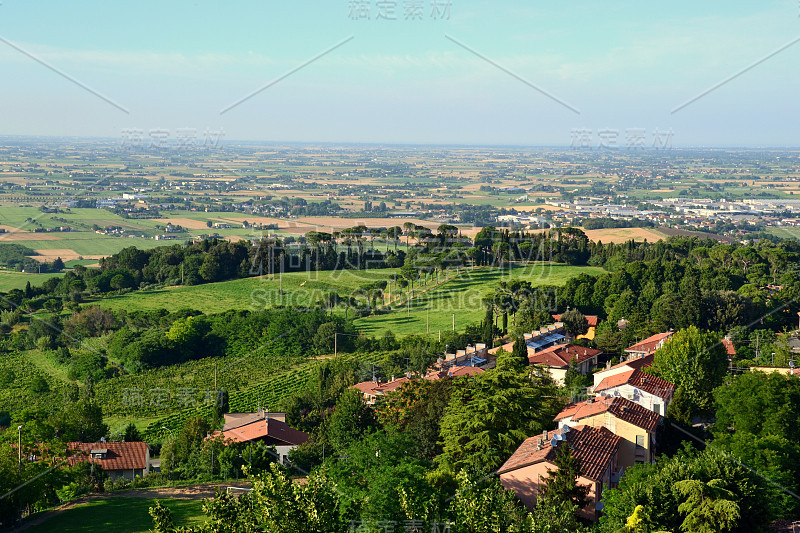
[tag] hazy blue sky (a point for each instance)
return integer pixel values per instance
(622, 64)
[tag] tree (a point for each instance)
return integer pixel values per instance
(709, 507)
(276, 504)
(209, 223)
(324, 339)
(118, 282)
(561, 484)
(492, 413)
(484, 505)
(657, 489)
(81, 421)
(696, 361)
(131, 433)
(349, 421)
(575, 322)
(488, 326)
(519, 353)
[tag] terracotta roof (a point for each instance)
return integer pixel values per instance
(650, 344)
(591, 320)
(119, 455)
(621, 408)
(560, 355)
(729, 348)
(595, 448)
(262, 428)
(507, 347)
(639, 379)
(457, 372)
(377, 387)
(635, 362)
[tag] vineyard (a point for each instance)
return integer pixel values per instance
(23, 385)
(269, 394)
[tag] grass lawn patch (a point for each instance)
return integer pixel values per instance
(120, 515)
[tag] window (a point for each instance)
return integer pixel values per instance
(657, 408)
(640, 441)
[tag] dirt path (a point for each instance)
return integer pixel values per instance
(193, 492)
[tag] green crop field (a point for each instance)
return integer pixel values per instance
(119, 514)
(461, 296)
(299, 288)
(785, 232)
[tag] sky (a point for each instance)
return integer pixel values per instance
(528, 73)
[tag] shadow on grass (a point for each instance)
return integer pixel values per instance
(120, 515)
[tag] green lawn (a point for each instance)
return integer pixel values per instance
(299, 288)
(17, 280)
(120, 515)
(462, 297)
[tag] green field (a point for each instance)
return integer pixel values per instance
(119, 514)
(17, 280)
(299, 288)
(461, 296)
(785, 232)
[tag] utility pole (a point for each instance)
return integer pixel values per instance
(756, 345)
(335, 344)
(19, 446)
(454, 322)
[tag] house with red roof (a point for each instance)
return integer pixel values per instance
(596, 448)
(649, 345)
(650, 392)
(262, 426)
(624, 418)
(117, 459)
(558, 358)
(625, 366)
(375, 389)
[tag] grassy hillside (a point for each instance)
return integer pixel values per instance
(462, 296)
(17, 280)
(299, 288)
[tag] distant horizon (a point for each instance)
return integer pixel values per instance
(241, 142)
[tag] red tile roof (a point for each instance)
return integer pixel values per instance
(729, 348)
(650, 344)
(263, 428)
(591, 320)
(621, 408)
(595, 448)
(635, 362)
(119, 456)
(639, 379)
(457, 372)
(507, 347)
(377, 387)
(560, 355)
